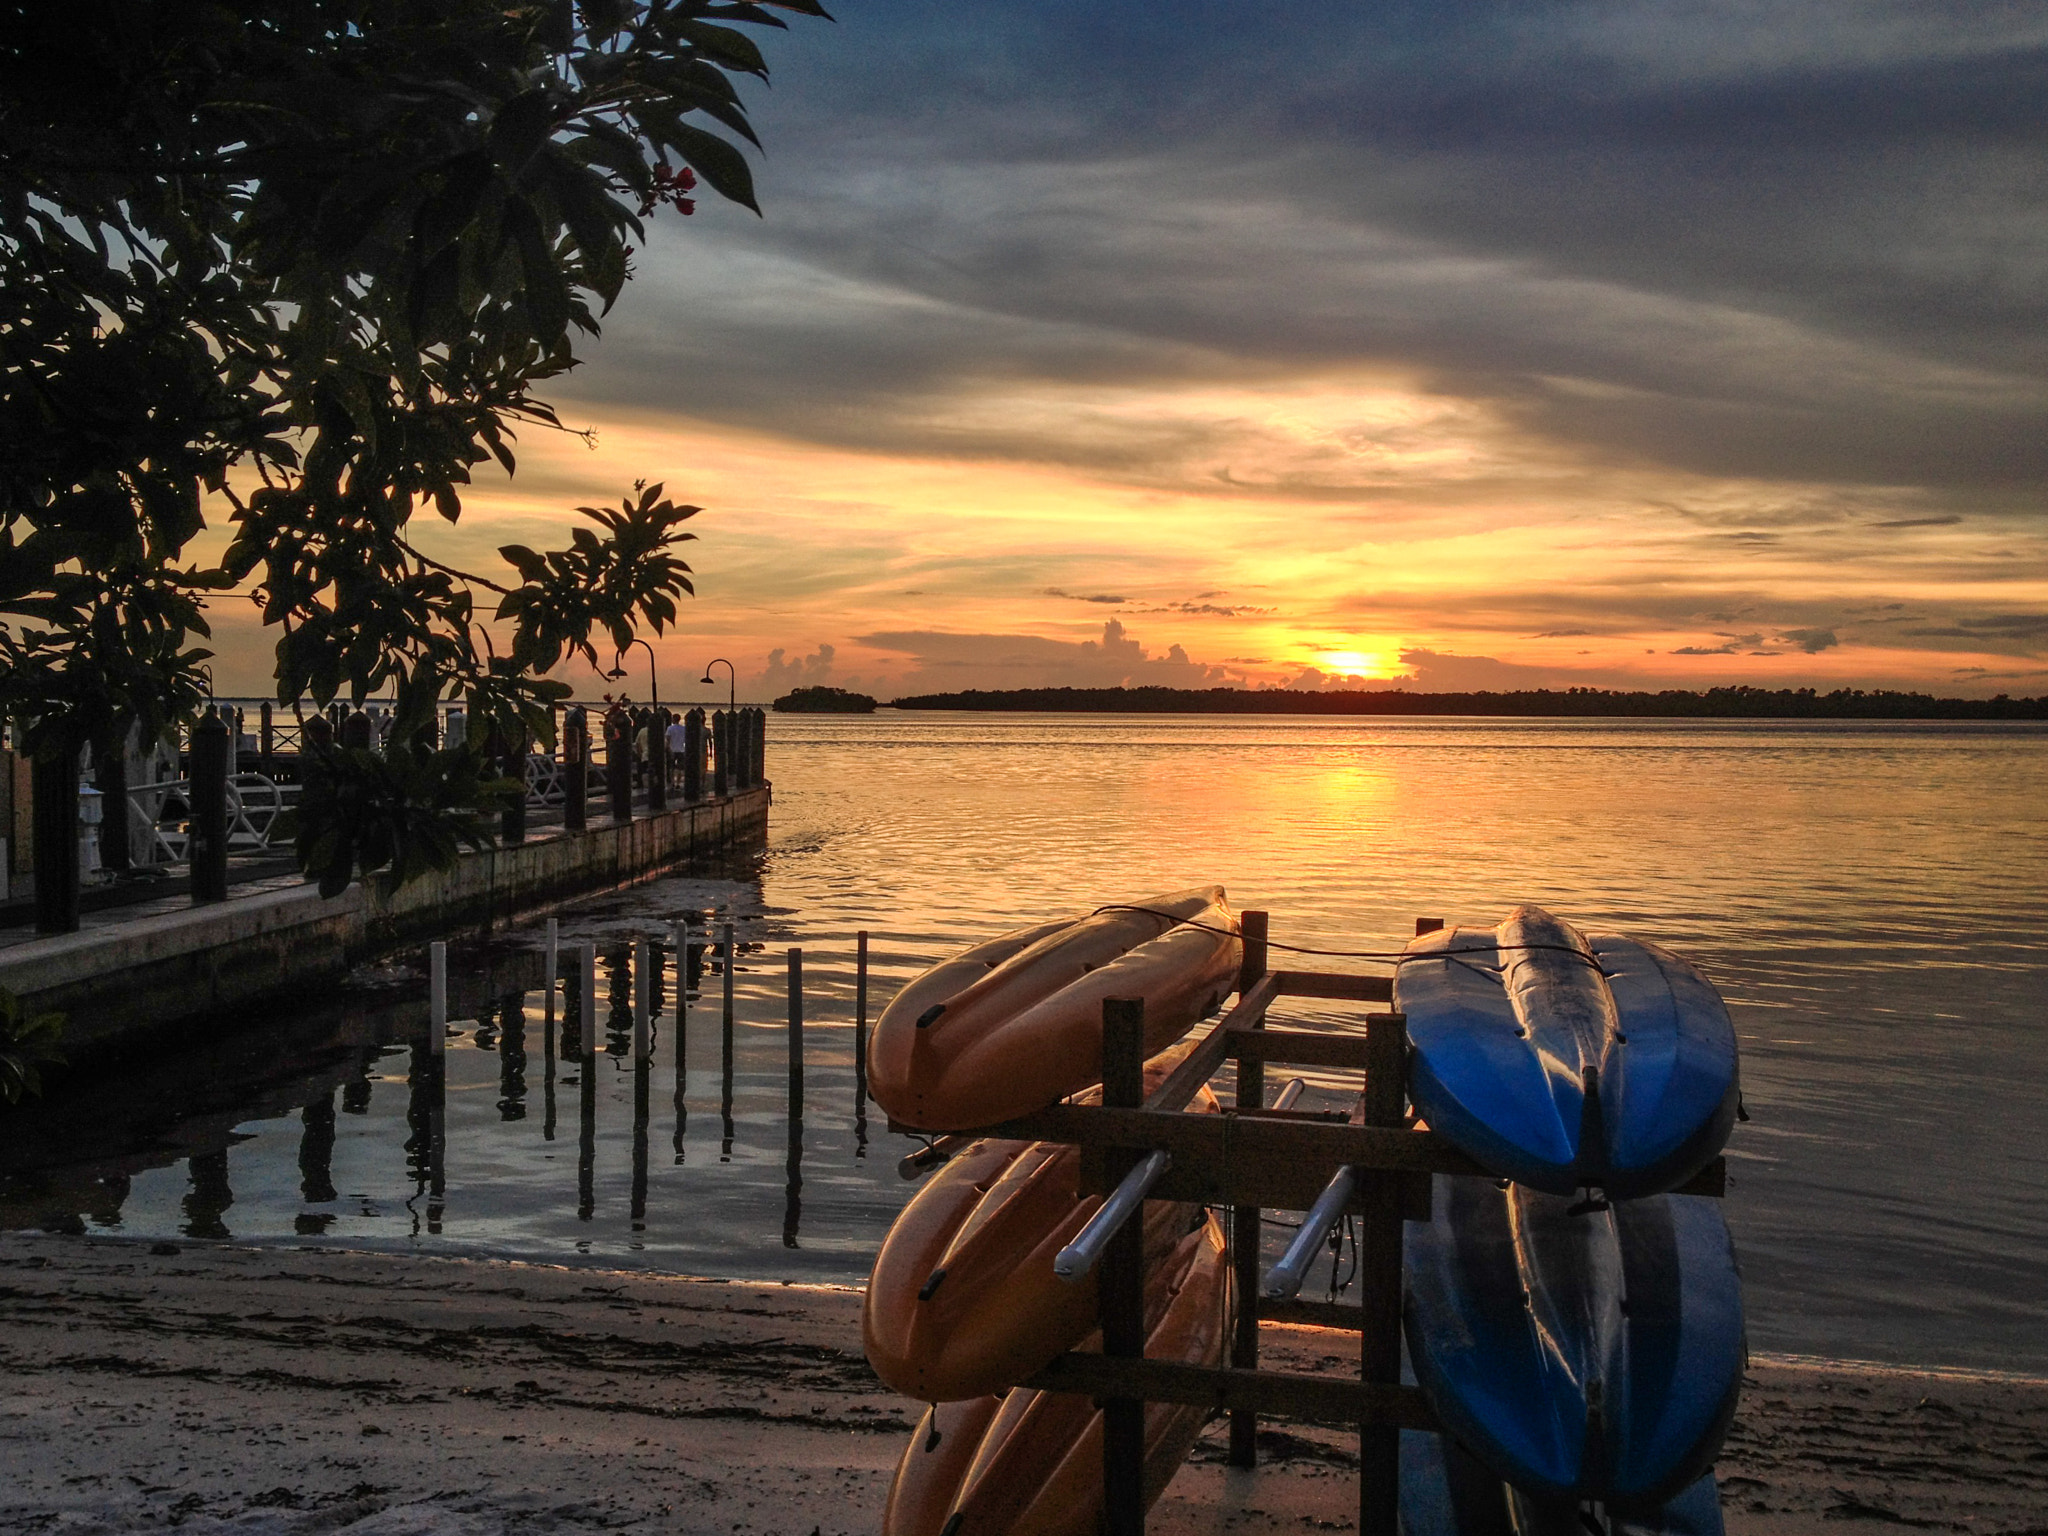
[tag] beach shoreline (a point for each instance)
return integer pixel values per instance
(296, 1390)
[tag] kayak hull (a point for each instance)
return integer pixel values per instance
(1562, 1060)
(1446, 1491)
(1579, 1354)
(1016, 1024)
(1036, 1469)
(963, 1300)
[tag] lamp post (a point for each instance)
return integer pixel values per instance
(731, 680)
(653, 678)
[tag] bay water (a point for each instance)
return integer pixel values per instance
(1872, 900)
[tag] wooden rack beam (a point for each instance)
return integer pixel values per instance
(1315, 1399)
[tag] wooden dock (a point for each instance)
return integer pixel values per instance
(126, 981)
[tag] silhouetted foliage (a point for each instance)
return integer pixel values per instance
(28, 1043)
(312, 260)
(1737, 703)
(823, 700)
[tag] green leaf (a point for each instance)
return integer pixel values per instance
(723, 168)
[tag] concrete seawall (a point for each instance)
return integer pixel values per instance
(122, 984)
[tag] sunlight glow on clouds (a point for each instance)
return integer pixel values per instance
(1632, 344)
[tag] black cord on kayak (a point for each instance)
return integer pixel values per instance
(1391, 956)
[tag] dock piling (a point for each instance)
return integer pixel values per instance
(796, 1035)
(552, 966)
(213, 758)
(725, 1046)
(641, 990)
(589, 1032)
(437, 997)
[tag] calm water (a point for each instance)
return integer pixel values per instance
(1872, 901)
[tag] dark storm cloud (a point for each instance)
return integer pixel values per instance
(1790, 240)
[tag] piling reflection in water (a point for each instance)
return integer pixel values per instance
(393, 1159)
(316, 1165)
(316, 1151)
(725, 1046)
(209, 1197)
(689, 967)
(511, 1044)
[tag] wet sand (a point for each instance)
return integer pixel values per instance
(295, 1392)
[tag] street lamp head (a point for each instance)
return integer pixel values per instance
(707, 677)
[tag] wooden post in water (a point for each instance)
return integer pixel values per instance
(860, 1022)
(1121, 1284)
(1245, 1221)
(437, 997)
(725, 1046)
(681, 940)
(641, 999)
(1379, 1275)
(589, 1041)
(552, 966)
(796, 1038)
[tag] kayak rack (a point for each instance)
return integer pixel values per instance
(1250, 1158)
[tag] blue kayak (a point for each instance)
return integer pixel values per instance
(1562, 1061)
(1581, 1352)
(1446, 1491)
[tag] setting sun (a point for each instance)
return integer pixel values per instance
(1352, 663)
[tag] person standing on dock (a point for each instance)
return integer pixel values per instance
(677, 741)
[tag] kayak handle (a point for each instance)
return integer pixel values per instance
(1284, 1279)
(1081, 1255)
(929, 1156)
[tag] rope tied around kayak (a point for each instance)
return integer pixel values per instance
(1390, 956)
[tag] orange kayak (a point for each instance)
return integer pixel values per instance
(963, 1300)
(1015, 1024)
(1036, 1462)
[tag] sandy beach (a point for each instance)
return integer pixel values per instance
(282, 1390)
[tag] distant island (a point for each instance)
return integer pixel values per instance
(825, 701)
(1672, 703)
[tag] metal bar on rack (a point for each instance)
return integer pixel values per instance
(1075, 1261)
(1284, 1279)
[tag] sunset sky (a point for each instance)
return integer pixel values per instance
(1476, 344)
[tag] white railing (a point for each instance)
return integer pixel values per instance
(159, 816)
